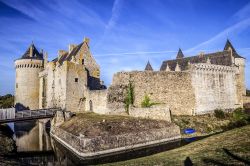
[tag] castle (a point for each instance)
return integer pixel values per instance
(187, 85)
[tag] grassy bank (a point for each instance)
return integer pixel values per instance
(91, 124)
(212, 123)
(215, 150)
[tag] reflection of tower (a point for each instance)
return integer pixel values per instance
(44, 139)
(27, 79)
(53, 90)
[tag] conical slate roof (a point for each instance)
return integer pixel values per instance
(34, 55)
(148, 67)
(179, 54)
(229, 45)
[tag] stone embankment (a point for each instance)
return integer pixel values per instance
(91, 135)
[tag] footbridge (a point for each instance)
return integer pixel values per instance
(11, 115)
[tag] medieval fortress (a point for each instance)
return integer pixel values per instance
(185, 85)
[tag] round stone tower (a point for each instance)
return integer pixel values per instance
(27, 79)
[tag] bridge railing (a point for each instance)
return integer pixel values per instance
(11, 113)
(7, 113)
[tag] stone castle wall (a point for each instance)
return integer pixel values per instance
(96, 101)
(214, 87)
(53, 86)
(27, 82)
(75, 90)
(154, 112)
(65, 86)
(203, 88)
(173, 89)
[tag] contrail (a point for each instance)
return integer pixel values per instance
(136, 53)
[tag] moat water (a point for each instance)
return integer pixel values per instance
(34, 146)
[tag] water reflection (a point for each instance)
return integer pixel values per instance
(35, 147)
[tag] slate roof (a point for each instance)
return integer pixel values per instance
(179, 54)
(35, 53)
(218, 58)
(229, 44)
(68, 56)
(148, 67)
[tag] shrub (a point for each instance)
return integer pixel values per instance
(219, 114)
(240, 115)
(248, 92)
(147, 103)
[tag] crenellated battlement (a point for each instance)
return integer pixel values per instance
(212, 67)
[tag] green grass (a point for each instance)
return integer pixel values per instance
(204, 152)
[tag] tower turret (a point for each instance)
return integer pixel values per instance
(27, 79)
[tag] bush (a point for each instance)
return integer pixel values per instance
(147, 103)
(248, 92)
(219, 114)
(240, 115)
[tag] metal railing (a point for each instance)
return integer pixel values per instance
(11, 114)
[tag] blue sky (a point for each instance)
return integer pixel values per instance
(124, 34)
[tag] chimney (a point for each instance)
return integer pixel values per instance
(60, 53)
(201, 54)
(86, 40)
(71, 47)
(45, 58)
(31, 50)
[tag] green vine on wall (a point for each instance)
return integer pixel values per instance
(129, 99)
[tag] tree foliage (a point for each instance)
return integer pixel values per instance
(6, 101)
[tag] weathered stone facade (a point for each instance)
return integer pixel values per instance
(173, 89)
(27, 83)
(154, 112)
(189, 86)
(70, 81)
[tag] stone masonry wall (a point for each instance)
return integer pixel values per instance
(96, 101)
(55, 86)
(154, 112)
(76, 83)
(27, 82)
(173, 89)
(214, 87)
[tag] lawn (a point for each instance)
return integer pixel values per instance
(229, 148)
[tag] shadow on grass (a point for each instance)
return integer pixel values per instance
(230, 154)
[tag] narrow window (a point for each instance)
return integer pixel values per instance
(76, 79)
(82, 61)
(16, 85)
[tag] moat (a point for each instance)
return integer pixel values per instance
(35, 146)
